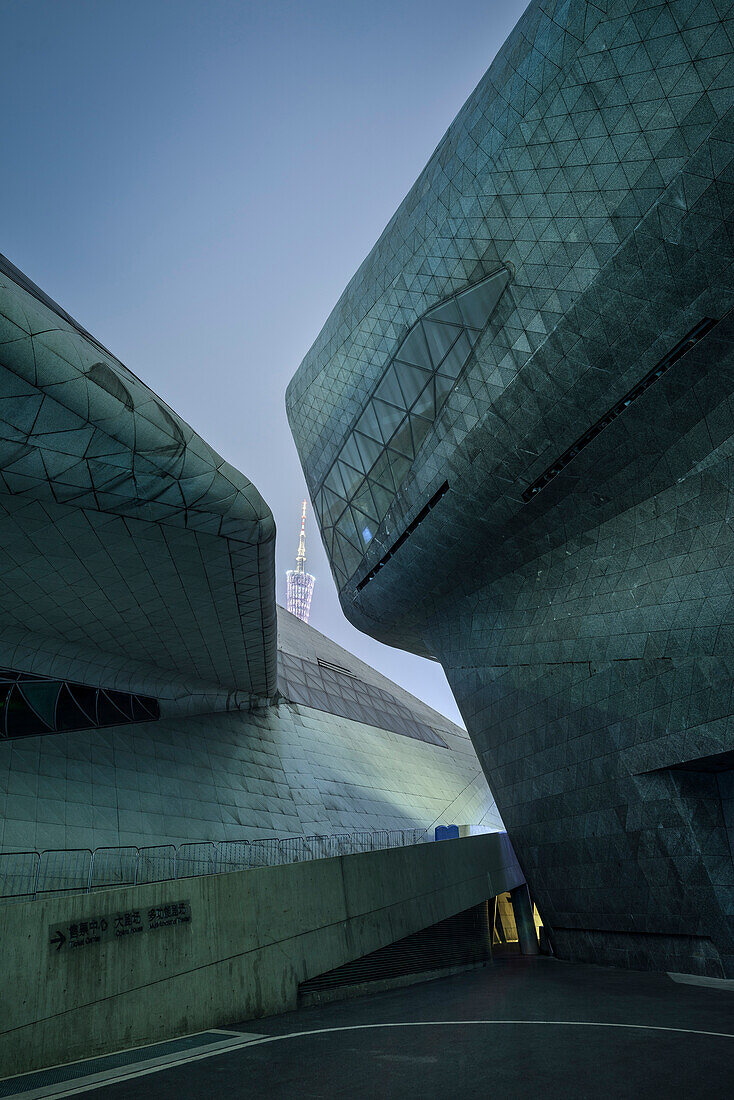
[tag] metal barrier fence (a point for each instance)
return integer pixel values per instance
(26, 875)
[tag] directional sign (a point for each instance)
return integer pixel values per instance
(117, 926)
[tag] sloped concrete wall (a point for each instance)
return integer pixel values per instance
(252, 938)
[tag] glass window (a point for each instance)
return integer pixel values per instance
(449, 312)
(414, 348)
(478, 302)
(369, 425)
(369, 449)
(350, 454)
(389, 416)
(454, 361)
(412, 380)
(363, 501)
(444, 386)
(440, 338)
(420, 376)
(389, 389)
(426, 405)
(401, 441)
(333, 507)
(400, 465)
(420, 429)
(351, 478)
(382, 475)
(382, 497)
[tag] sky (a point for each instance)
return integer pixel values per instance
(196, 181)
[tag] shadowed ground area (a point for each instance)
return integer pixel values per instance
(300, 1054)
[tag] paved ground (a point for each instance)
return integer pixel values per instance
(391, 1045)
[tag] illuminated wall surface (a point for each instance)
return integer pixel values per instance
(150, 691)
(557, 530)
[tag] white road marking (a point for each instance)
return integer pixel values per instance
(248, 1040)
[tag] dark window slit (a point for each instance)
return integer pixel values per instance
(408, 531)
(680, 349)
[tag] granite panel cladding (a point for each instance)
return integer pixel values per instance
(288, 770)
(587, 629)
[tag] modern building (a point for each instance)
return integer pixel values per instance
(299, 583)
(151, 691)
(517, 432)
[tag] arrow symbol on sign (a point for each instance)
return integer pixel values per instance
(59, 939)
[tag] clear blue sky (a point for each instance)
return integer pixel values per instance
(197, 180)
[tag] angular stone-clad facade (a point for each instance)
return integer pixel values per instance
(555, 526)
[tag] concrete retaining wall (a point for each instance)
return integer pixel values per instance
(252, 937)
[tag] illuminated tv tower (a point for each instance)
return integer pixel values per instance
(300, 583)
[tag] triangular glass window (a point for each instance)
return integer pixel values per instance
(389, 416)
(389, 389)
(369, 425)
(70, 716)
(20, 719)
(400, 466)
(350, 454)
(401, 441)
(412, 380)
(440, 338)
(456, 358)
(382, 497)
(444, 386)
(333, 481)
(333, 507)
(448, 312)
(426, 404)
(414, 348)
(86, 698)
(363, 500)
(350, 477)
(420, 429)
(381, 473)
(477, 304)
(369, 449)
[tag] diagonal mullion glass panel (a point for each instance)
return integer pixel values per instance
(412, 380)
(420, 429)
(440, 338)
(366, 526)
(334, 505)
(350, 453)
(400, 465)
(414, 348)
(401, 441)
(363, 500)
(455, 359)
(389, 388)
(426, 403)
(478, 302)
(389, 415)
(350, 477)
(381, 473)
(382, 497)
(444, 386)
(369, 424)
(369, 449)
(448, 311)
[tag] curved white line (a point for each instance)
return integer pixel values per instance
(463, 1023)
(115, 1077)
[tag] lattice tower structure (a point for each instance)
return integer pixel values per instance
(299, 582)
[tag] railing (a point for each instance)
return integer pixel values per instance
(28, 875)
